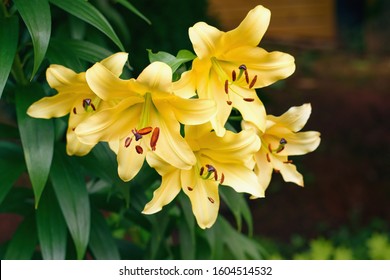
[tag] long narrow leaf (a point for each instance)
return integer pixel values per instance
(133, 9)
(88, 13)
(37, 137)
(72, 195)
(101, 242)
(9, 29)
(51, 227)
(36, 15)
(11, 166)
(23, 243)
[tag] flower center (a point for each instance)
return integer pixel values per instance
(144, 128)
(89, 105)
(239, 77)
(282, 144)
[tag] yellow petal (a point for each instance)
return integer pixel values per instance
(250, 31)
(59, 76)
(106, 84)
(115, 63)
(112, 123)
(74, 146)
(185, 86)
(52, 107)
(263, 168)
(294, 119)
(269, 67)
(129, 161)
(204, 197)
(205, 39)
(166, 192)
(157, 77)
(288, 171)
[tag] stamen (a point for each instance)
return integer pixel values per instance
(229, 102)
(93, 107)
(145, 130)
(128, 142)
(210, 199)
(215, 175)
(74, 110)
(222, 178)
(268, 158)
(136, 134)
(190, 189)
(201, 171)
(253, 82)
(154, 138)
(246, 76)
(227, 87)
(234, 76)
(139, 149)
(280, 148)
(288, 161)
(249, 99)
(269, 147)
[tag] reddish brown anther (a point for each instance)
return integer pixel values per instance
(145, 130)
(190, 189)
(268, 159)
(249, 99)
(74, 110)
(229, 102)
(288, 161)
(210, 199)
(222, 178)
(201, 171)
(234, 75)
(128, 142)
(139, 149)
(227, 87)
(154, 138)
(253, 82)
(246, 76)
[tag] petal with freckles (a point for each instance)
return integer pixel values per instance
(105, 84)
(250, 31)
(204, 197)
(129, 161)
(115, 63)
(205, 39)
(53, 107)
(157, 77)
(165, 193)
(294, 119)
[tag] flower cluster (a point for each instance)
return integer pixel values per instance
(141, 118)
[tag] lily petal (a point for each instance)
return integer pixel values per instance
(115, 62)
(263, 169)
(59, 76)
(106, 84)
(129, 161)
(168, 190)
(74, 146)
(204, 39)
(250, 31)
(204, 197)
(294, 119)
(289, 171)
(157, 76)
(185, 86)
(53, 107)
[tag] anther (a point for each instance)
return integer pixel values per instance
(222, 178)
(215, 175)
(246, 76)
(201, 171)
(210, 199)
(229, 102)
(74, 110)
(154, 138)
(268, 158)
(227, 87)
(93, 107)
(288, 161)
(249, 99)
(145, 130)
(234, 76)
(136, 134)
(190, 189)
(139, 149)
(253, 82)
(269, 147)
(128, 142)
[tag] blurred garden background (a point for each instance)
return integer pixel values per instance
(342, 56)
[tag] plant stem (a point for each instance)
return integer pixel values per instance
(17, 71)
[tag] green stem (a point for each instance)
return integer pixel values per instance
(5, 11)
(17, 71)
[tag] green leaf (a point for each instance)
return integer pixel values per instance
(101, 241)
(23, 243)
(9, 33)
(182, 57)
(87, 51)
(37, 137)
(187, 230)
(88, 13)
(133, 9)
(36, 15)
(11, 166)
(51, 227)
(72, 195)
(58, 54)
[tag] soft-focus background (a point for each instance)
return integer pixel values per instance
(343, 69)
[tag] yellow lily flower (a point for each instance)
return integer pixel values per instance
(146, 118)
(225, 161)
(75, 98)
(282, 139)
(229, 67)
